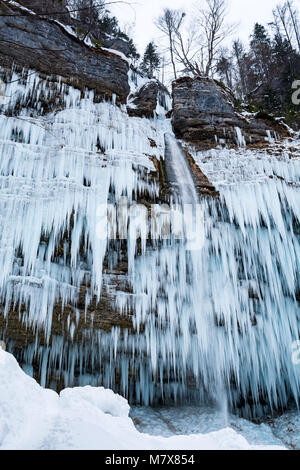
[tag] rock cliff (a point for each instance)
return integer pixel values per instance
(55, 8)
(204, 114)
(44, 45)
(144, 102)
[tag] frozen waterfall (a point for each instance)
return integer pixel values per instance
(178, 171)
(190, 321)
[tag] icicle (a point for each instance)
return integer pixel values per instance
(241, 142)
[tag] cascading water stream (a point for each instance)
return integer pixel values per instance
(189, 322)
(180, 177)
(178, 171)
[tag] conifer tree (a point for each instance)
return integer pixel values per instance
(151, 60)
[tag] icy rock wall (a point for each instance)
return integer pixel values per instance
(217, 321)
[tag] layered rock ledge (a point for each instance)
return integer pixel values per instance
(31, 41)
(204, 115)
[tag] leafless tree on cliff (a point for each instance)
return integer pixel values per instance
(167, 23)
(211, 20)
(286, 21)
(239, 56)
(188, 51)
(182, 44)
(282, 22)
(225, 67)
(88, 14)
(295, 21)
(196, 44)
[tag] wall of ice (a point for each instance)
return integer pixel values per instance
(56, 171)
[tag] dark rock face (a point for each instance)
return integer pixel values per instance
(41, 44)
(144, 102)
(204, 115)
(117, 44)
(56, 8)
(203, 186)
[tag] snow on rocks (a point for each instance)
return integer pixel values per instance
(287, 429)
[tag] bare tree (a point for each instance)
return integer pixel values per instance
(195, 44)
(225, 67)
(88, 13)
(295, 21)
(185, 46)
(168, 23)
(282, 22)
(286, 22)
(239, 54)
(214, 30)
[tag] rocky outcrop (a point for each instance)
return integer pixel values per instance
(203, 186)
(204, 115)
(144, 102)
(57, 9)
(44, 45)
(117, 44)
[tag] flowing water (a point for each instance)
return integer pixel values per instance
(210, 324)
(178, 172)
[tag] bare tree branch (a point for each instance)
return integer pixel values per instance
(212, 23)
(167, 24)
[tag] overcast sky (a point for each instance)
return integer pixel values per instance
(144, 12)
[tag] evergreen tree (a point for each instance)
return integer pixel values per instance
(261, 52)
(108, 25)
(88, 15)
(151, 60)
(260, 36)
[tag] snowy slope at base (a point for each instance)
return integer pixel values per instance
(83, 418)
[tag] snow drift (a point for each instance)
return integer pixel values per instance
(32, 418)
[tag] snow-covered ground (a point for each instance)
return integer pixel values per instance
(94, 418)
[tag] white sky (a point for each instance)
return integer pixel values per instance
(144, 12)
